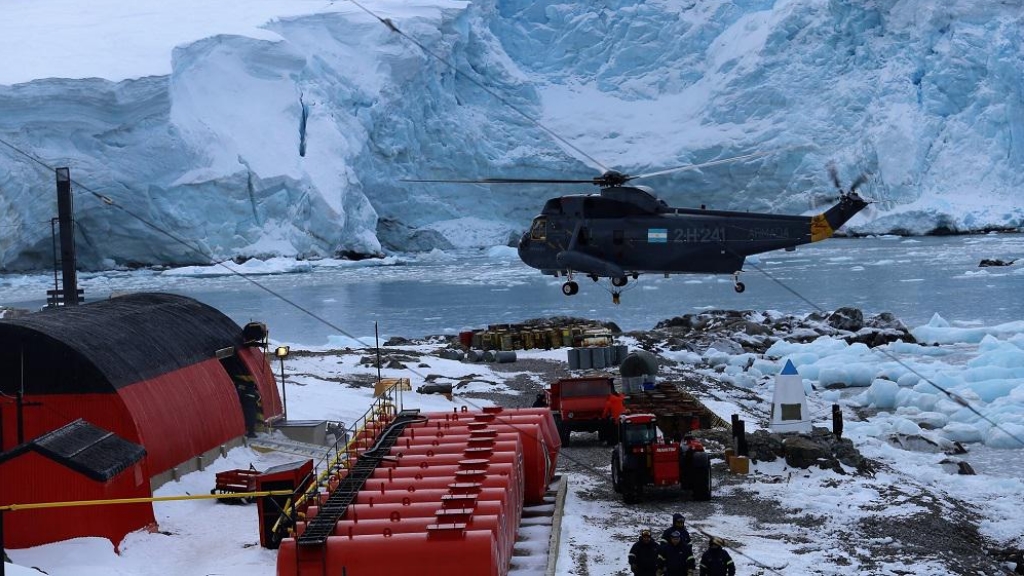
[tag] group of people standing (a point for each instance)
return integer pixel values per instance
(672, 555)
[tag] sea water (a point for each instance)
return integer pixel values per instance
(413, 296)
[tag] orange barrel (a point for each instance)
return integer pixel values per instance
(493, 475)
(398, 524)
(457, 494)
(509, 479)
(538, 465)
(524, 419)
(546, 421)
(448, 433)
(361, 512)
(448, 458)
(462, 504)
(451, 471)
(439, 552)
(463, 449)
(403, 525)
(466, 338)
(400, 495)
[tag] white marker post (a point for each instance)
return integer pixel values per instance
(789, 403)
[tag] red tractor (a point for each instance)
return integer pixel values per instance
(579, 404)
(640, 458)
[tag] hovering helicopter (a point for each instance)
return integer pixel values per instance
(625, 231)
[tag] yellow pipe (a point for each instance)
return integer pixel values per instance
(74, 503)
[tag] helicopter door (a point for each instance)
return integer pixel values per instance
(539, 230)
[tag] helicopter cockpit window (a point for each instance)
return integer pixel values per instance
(539, 229)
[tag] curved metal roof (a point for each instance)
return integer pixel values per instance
(102, 346)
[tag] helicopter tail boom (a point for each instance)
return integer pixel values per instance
(824, 225)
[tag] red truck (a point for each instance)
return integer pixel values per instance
(579, 405)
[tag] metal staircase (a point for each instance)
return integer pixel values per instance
(322, 525)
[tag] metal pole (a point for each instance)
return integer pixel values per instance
(284, 392)
(837, 421)
(21, 418)
(66, 213)
(53, 237)
(376, 338)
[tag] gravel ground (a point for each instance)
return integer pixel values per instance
(946, 530)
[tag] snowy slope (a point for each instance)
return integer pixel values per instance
(285, 128)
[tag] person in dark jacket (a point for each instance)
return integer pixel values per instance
(678, 525)
(676, 558)
(643, 556)
(716, 561)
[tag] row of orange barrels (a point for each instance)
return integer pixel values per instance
(447, 499)
(524, 339)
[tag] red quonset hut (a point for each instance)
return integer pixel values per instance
(157, 370)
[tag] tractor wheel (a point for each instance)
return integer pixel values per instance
(616, 472)
(700, 477)
(563, 430)
(632, 488)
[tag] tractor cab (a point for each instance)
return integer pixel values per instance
(638, 431)
(642, 458)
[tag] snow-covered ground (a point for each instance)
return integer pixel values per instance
(982, 367)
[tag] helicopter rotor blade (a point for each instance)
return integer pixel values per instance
(859, 182)
(833, 173)
(502, 181)
(703, 164)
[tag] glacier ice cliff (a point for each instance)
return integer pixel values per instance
(296, 142)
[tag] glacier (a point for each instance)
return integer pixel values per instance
(272, 128)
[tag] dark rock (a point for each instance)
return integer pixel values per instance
(435, 389)
(821, 448)
(986, 262)
(848, 319)
(802, 452)
(399, 237)
(397, 341)
(763, 446)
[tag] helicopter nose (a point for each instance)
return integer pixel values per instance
(525, 252)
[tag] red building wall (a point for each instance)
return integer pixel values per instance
(176, 416)
(255, 361)
(182, 414)
(32, 477)
(48, 412)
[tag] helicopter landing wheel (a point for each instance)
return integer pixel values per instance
(740, 287)
(615, 298)
(619, 281)
(570, 288)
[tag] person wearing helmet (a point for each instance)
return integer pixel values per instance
(675, 558)
(643, 556)
(678, 525)
(716, 561)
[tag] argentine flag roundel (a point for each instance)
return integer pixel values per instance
(657, 235)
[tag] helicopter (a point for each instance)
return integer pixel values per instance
(625, 231)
